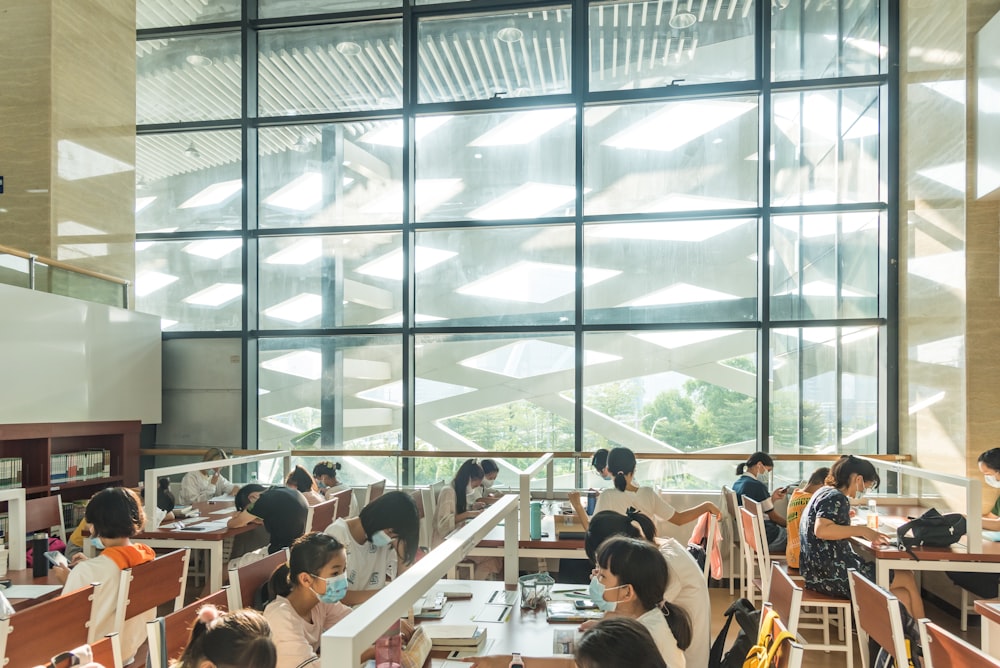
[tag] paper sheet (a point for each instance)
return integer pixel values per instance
(29, 591)
(214, 525)
(224, 498)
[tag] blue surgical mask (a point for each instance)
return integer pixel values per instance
(381, 538)
(607, 476)
(97, 542)
(596, 592)
(336, 589)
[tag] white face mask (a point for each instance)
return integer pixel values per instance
(468, 489)
(487, 483)
(992, 481)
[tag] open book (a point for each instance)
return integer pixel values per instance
(454, 636)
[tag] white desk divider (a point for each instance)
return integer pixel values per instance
(525, 490)
(973, 496)
(16, 532)
(152, 475)
(343, 643)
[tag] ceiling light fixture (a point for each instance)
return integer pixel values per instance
(682, 20)
(349, 49)
(197, 58)
(301, 145)
(192, 151)
(510, 34)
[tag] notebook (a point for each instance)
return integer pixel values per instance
(557, 612)
(454, 636)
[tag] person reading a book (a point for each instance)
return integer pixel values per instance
(200, 486)
(380, 542)
(453, 509)
(686, 587)
(481, 496)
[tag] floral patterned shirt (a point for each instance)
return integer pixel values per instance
(824, 563)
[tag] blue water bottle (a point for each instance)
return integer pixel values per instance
(591, 501)
(535, 526)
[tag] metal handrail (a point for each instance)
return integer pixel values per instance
(34, 259)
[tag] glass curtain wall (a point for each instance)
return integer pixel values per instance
(529, 226)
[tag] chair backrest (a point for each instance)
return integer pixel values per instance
(733, 510)
(785, 596)
(755, 507)
(25, 637)
(108, 651)
(150, 585)
(943, 649)
(244, 581)
(44, 513)
(374, 490)
(882, 621)
(752, 544)
(343, 503)
(790, 653)
(176, 628)
(323, 514)
(713, 524)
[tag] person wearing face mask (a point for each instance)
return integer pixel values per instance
(480, 496)
(985, 585)
(325, 473)
(825, 532)
(453, 508)
(115, 516)
(200, 486)
(385, 533)
(599, 462)
(752, 474)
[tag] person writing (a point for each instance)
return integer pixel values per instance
(282, 510)
(750, 483)
(200, 486)
(452, 510)
(483, 494)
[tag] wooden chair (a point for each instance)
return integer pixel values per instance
(26, 636)
(107, 652)
(713, 524)
(757, 560)
(882, 621)
(757, 508)
(737, 561)
(170, 637)
(788, 598)
(374, 490)
(343, 502)
(150, 585)
(790, 653)
(322, 514)
(45, 514)
(945, 650)
(244, 581)
(966, 607)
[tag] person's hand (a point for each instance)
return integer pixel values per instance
(589, 624)
(61, 573)
(876, 538)
(77, 558)
(852, 513)
(405, 630)
(714, 509)
(779, 493)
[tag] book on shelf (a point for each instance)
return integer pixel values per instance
(455, 636)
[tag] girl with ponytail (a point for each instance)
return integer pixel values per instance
(751, 483)
(239, 639)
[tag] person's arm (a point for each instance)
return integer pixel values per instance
(691, 514)
(444, 515)
(581, 514)
(777, 517)
(241, 519)
(991, 523)
(355, 597)
(190, 491)
(827, 529)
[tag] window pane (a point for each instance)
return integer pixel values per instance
(825, 266)
(478, 57)
(347, 67)
(188, 181)
(314, 394)
(507, 165)
(816, 40)
(328, 175)
(188, 79)
(309, 282)
(192, 285)
(805, 406)
(160, 14)
(672, 391)
(676, 271)
(273, 8)
(671, 156)
(826, 147)
(498, 276)
(652, 44)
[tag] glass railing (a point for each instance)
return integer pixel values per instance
(26, 270)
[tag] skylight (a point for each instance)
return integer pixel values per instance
(390, 265)
(528, 200)
(534, 282)
(148, 282)
(428, 195)
(296, 420)
(297, 309)
(301, 252)
(688, 230)
(677, 124)
(300, 194)
(217, 193)
(390, 133)
(825, 225)
(306, 364)
(397, 319)
(425, 391)
(683, 338)
(681, 293)
(524, 127)
(216, 295)
(821, 289)
(213, 249)
(525, 359)
(142, 202)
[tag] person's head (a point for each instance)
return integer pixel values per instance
(300, 479)
(817, 479)
(853, 476)
(468, 477)
(631, 573)
(393, 516)
(490, 472)
(115, 512)
(618, 642)
(164, 497)
(316, 562)
(989, 466)
(621, 465)
(325, 473)
(600, 463)
(247, 495)
(756, 465)
(213, 455)
(238, 639)
(608, 523)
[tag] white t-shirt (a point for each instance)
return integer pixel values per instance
(656, 624)
(196, 487)
(368, 567)
(297, 640)
(687, 589)
(444, 514)
(646, 500)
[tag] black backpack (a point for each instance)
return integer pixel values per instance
(931, 529)
(748, 618)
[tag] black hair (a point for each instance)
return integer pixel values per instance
(308, 554)
(300, 478)
(818, 476)
(469, 470)
(755, 458)
(639, 563)
(214, 454)
(600, 460)
(608, 523)
(621, 462)
(115, 512)
(991, 458)
(238, 639)
(397, 512)
(164, 497)
(489, 466)
(848, 465)
(326, 468)
(618, 642)
(242, 499)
